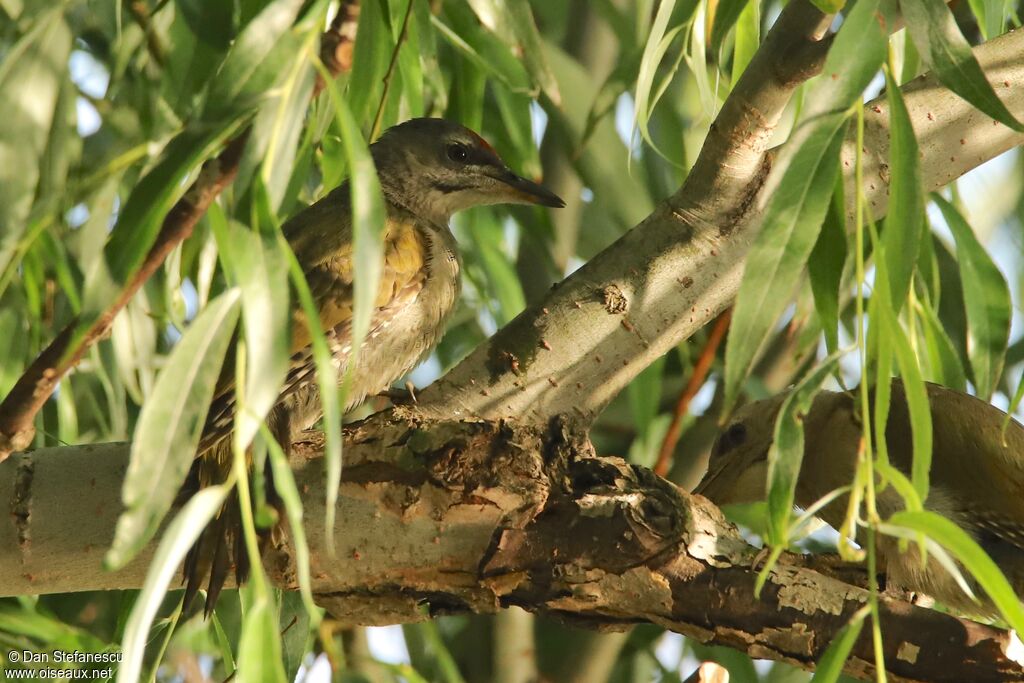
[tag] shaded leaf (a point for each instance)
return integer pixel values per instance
(986, 301)
(31, 77)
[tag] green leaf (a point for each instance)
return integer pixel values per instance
(170, 426)
(944, 49)
(748, 31)
(905, 220)
(826, 264)
(944, 363)
(786, 454)
(261, 644)
(482, 48)
(829, 6)
(31, 77)
(967, 551)
(254, 61)
(830, 667)
(369, 60)
(255, 263)
(37, 623)
(502, 283)
(799, 189)
(284, 483)
(140, 218)
(174, 545)
(658, 42)
(531, 48)
(368, 225)
(725, 15)
(275, 131)
(986, 300)
(891, 339)
(776, 260)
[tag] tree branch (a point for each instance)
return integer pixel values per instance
(682, 265)
(475, 516)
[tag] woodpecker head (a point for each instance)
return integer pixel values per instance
(738, 465)
(438, 167)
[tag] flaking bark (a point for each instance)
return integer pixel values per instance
(470, 516)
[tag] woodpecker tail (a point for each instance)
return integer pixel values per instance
(221, 545)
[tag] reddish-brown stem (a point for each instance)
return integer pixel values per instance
(697, 379)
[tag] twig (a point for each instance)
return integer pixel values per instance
(37, 383)
(700, 374)
(140, 12)
(377, 120)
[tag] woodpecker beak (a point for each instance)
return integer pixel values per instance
(527, 191)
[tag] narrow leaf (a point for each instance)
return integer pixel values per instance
(967, 551)
(986, 300)
(826, 264)
(255, 263)
(830, 667)
(904, 222)
(944, 49)
(179, 537)
(799, 189)
(368, 225)
(246, 71)
(261, 643)
(786, 454)
(788, 232)
(170, 426)
(31, 77)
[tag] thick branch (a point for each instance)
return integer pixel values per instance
(37, 383)
(682, 265)
(476, 516)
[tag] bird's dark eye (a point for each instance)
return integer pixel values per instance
(457, 152)
(731, 438)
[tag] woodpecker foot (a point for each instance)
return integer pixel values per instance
(406, 396)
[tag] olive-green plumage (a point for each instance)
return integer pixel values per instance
(976, 478)
(428, 170)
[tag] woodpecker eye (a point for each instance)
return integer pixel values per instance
(457, 152)
(731, 438)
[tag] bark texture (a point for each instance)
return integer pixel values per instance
(470, 516)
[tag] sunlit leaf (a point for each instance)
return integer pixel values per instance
(944, 49)
(967, 551)
(786, 454)
(247, 72)
(904, 223)
(170, 426)
(799, 189)
(255, 263)
(181, 534)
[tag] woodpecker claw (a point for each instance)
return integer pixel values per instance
(404, 396)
